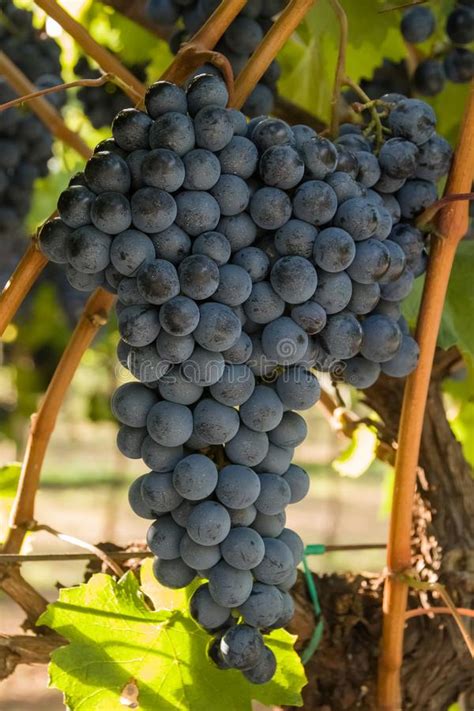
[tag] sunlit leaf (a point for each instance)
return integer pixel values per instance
(118, 646)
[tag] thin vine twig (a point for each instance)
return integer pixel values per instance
(100, 81)
(42, 424)
(268, 48)
(417, 584)
(340, 66)
(45, 111)
(126, 555)
(105, 59)
(421, 611)
(452, 225)
(93, 550)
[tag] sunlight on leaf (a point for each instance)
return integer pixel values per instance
(115, 640)
(359, 455)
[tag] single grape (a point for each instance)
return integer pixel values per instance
(169, 424)
(248, 447)
(208, 524)
(197, 556)
(276, 564)
(159, 493)
(215, 423)
(202, 169)
(205, 611)
(298, 482)
(298, 388)
(158, 457)
(163, 538)
(129, 250)
(173, 573)
(130, 440)
(235, 386)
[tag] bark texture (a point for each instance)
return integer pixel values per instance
(437, 669)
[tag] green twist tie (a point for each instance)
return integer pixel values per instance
(313, 644)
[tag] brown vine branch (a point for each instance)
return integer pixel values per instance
(42, 108)
(452, 224)
(26, 649)
(105, 59)
(15, 586)
(419, 612)
(430, 212)
(199, 48)
(55, 89)
(269, 47)
(42, 423)
(93, 550)
(340, 66)
(19, 284)
(191, 56)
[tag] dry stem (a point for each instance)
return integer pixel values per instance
(93, 49)
(42, 424)
(42, 108)
(268, 48)
(452, 225)
(94, 550)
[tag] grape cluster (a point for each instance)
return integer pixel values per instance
(455, 63)
(25, 143)
(102, 103)
(237, 44)
(245, 256)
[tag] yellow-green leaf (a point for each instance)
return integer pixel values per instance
(120, 649)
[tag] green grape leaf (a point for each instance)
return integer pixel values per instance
(9, 478)
(359, 455)
(456, 327)
(122, 652)
(161, 597)
(309, 58)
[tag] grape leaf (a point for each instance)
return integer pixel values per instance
(456, 327)
(161, 597)
(120, 649)
(309, 58)
(9, 477)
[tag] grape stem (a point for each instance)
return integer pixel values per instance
(105, 59)
(43, 109)
(43, 422)
(100, 81)
(452, 225)
(371, 106)
(278, 34)
(340, 66)
(191, 56)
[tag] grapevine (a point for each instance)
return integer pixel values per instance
(251, 262)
